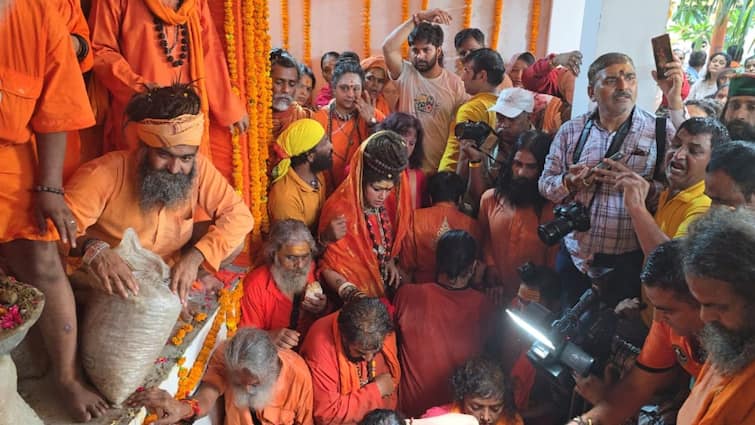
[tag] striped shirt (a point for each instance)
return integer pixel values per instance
(611, 229)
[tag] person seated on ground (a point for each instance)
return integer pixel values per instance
(349, 119)
(375, 78)
(163, 183)
(285, 74)
(483, 72)
(327, 64)
(468, 40)
(383, 417)
(354, 362)
(671, 352)
(481, 389)
(260, 384)
(456, 321)
(282, 296)
(739, 112)
(703, 108)
(363, 262)
(509, 215)
(730, 176)
(554, 75)
(719, 266)
(410, 129)
(429, 224)
(516, 66)
(305, 87)
(707, 85)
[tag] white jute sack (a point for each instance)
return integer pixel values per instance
(121, 338)
(13, 409)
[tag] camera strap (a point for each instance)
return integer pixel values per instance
(616, 141)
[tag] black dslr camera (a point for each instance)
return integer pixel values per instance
(569, 218)
(473, 130)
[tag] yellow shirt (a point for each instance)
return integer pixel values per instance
(475, 109)
(292, 197)
(674, 215)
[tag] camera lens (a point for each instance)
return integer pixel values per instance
(552, 232)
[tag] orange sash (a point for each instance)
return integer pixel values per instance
(347, 373)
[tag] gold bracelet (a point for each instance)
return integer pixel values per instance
(475, 164)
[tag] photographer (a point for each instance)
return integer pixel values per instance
(616, 125)
(671, 345)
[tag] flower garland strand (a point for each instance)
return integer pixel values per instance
(366, 28)
(467, 13)
(229, 27)
(307, 29)
(404, 18)
(284, 22)
(497, 17)
(425, 4)
(534, 26)
(265, 114)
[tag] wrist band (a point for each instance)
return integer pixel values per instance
(93, 250)
(346, 290)
(582, 421)
(83, 48)
(194, 404)
(48, 189)
(475, 164)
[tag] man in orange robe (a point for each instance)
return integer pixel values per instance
(455, 321)
(144, 43)
(719, 265)
(429, 224)
(260, 385)
(284, 71)
(282, 296)
(157, 190)
(354, 363)
(42, 96)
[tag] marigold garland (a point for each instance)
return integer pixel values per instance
(307, 29)
(366, 28)
(425, 4)
(497, 17)
(284, 22)
(467, 13)
(404, 18)
(534, 26)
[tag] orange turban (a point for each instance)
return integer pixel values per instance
(167, 133)
(374, 62)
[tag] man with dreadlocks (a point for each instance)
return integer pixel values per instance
(156, 190)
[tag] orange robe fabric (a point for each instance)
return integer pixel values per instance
(338, 396)
(127, 55)
(264, 306)
(282, 119)
(352, 256)
(346, 137)
(290, 404)
(510, 238)
(428, 225)
(455, 326)
(717, 399)
(103, 197)
(41, 91)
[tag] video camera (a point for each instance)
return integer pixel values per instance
(569, 218)
(473, 130)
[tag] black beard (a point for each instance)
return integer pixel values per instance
(321, 163)
(523, 192)
(729, 351)
(740, 130)
(160, 188)
(424, 66)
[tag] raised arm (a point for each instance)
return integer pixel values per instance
(392, 43)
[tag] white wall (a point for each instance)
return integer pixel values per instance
(565, 31)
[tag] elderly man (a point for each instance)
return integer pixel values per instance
(672, 345)
(156, 190)
(730, 176)
(277, 297)
(739, 112)
(617, 125)
(353, 358)
(719, 265)
(260, 384)
(284, 71)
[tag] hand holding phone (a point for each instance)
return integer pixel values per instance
(662, 53)
(618, 156)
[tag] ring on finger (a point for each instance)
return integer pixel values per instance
(585, 182)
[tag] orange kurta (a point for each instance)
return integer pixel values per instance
(717, 399)
(455, 326)
(346, 137)
(290, 404)
(127, 55)
(510, 238)
(352, 256)
(41, 91)
(292, 197)
(338, 396)
(103, 197)
(428, 225)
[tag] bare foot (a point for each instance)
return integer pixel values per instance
(82, 402)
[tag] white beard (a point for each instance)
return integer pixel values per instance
(289, 282)
(256, 400)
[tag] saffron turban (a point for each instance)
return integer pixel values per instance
(167, 133)
(298, 138)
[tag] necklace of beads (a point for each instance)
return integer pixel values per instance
(162, 39)
(382, 243)
(370, 373)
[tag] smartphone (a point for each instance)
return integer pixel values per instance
(662, 53)
(618, 156)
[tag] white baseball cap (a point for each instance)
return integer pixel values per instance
(513, 101)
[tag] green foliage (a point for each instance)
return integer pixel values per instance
(694, 20)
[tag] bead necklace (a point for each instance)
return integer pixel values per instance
(381, 244)
(332, 113)
(162, 39)
(370, 372)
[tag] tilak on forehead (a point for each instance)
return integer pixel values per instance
(167, 133)
(298, 249)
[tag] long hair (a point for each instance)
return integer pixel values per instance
(538, 144)
(728, 63)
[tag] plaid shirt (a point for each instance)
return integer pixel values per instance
(611, 231)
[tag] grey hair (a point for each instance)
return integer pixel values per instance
(253, 350)
(603, 62)
(285, 232)
(721, 246)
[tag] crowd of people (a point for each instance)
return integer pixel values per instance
(411, 203)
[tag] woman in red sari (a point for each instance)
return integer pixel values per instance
(363, 263)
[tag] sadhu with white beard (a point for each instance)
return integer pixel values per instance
(260, 384)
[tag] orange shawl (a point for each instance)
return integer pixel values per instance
(352, 256)
(189, 14)
(347, 373)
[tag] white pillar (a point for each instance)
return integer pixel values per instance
(620, 26)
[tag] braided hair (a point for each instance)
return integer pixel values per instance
(385, 157)
(164, 103)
